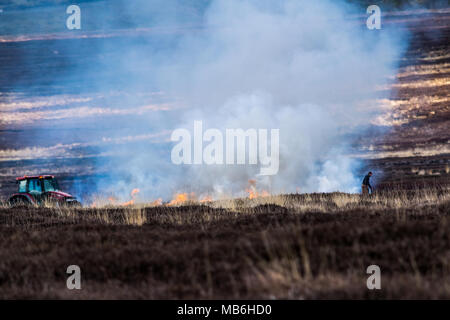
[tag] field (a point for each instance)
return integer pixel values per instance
(293, 246)
(409, 145)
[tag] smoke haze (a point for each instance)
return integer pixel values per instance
(307, 68)
(303, 67)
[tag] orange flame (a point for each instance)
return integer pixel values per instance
(113, 200)
(253, 193)
(134, 193)
(157, 202)
(207, 198)
(178, 199)
(181, 198)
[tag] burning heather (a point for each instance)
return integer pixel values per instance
(178, 199)
(252, 191)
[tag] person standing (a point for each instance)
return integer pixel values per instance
(366, 184)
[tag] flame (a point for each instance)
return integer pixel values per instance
(178, 199)
(113, 200)
(157, 202)
(207, 198)
(133, 194)
(181, 198)
(252, 191)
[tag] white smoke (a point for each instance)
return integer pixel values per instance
(299, 66)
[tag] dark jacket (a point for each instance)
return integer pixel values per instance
(366, 181)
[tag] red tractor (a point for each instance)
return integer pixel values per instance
(40, 190)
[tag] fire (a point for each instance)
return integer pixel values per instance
(134, 193)
(113, 200)
(157, 202)
(206, 199)
(182, 198)
(252, 191)
(252, 194)
(178, 199)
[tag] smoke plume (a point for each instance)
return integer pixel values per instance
(145, 68)
(304, 67)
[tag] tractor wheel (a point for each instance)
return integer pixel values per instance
(19, 202)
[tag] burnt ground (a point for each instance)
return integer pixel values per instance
(191, 252)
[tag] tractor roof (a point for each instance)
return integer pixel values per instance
(44, 176)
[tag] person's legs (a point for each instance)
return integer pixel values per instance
(365, 190)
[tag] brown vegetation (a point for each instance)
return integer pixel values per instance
(288, 246)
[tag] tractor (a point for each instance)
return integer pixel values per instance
(39, 191)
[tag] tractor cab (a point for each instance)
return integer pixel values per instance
(37, 185)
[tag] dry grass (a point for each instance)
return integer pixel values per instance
(286, 246)
(208, 212)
